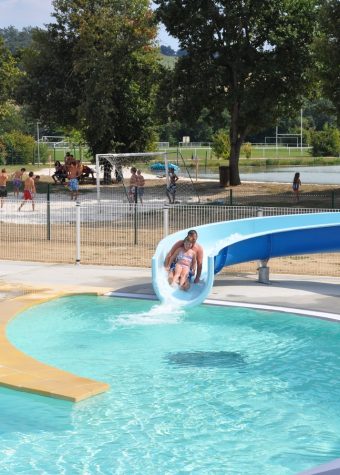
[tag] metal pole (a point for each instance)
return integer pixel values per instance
(135, 215)
(48, 213)
(38, 142)
(276, 139)
(166, 221)
(98, 178)
(301, 126)
(166, 169)
(77, 233)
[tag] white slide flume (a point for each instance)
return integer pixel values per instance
(233, 242)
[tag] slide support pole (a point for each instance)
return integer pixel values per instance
(263, 269)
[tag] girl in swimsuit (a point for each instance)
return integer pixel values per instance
(185, 259)
(296, 185)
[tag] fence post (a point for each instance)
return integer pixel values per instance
(333, 199)
(166, 221)
(230, 197)
(77, 232)
(48, 213)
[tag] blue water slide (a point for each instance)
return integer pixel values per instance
(233, 242)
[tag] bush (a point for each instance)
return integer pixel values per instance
(18, 147)
(221, 144)
(43, 153)
(325, 142)
(2, 153)
(246, 149)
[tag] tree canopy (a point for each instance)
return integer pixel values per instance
(9, 73)
(95, 69)
(251, 57)
(14, 39)
(328, 51)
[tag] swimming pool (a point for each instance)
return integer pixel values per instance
(212, 390)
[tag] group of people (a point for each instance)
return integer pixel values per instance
(136, 186)
(29, 186)
(74, 171)
(137, 183)
(183, 262)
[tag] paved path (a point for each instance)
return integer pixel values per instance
(319, 294)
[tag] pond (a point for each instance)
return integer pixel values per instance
(321, 175)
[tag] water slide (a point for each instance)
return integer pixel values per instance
(233, 242)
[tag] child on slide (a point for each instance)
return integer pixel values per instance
(185, 263)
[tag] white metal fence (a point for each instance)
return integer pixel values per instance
(127, 234)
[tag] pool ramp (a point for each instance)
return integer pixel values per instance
(23, 373)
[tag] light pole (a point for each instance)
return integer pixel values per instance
(301, 130)
(38, 142)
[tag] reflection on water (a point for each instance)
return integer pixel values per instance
(206, 358)
(321, 175)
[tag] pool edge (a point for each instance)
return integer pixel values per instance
(21, 372)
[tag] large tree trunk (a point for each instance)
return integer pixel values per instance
(233, 163)
(236, 140)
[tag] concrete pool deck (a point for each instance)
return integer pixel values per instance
(23, 284)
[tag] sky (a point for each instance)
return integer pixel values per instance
(21, 13)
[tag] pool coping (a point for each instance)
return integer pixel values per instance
(334, 317)
(22, 372)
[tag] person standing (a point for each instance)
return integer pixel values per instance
(17, 181)
(133, 185)
(29, 190)
(3, 183)
(73, 183)
(171, 188)
(140, 185)
(296, 186)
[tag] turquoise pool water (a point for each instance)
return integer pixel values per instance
(212, 390)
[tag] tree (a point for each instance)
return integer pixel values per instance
(12, 118)
(167, 51)
(221, 145)
(9, 74)
(251, 57)
(328, 51)
(102, 72)
(16, 40)
(19, 148)
(325, 142)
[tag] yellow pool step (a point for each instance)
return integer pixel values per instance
(23, 373)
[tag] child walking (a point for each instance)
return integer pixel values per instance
(296, 186)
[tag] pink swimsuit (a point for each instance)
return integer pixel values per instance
(182, 257)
